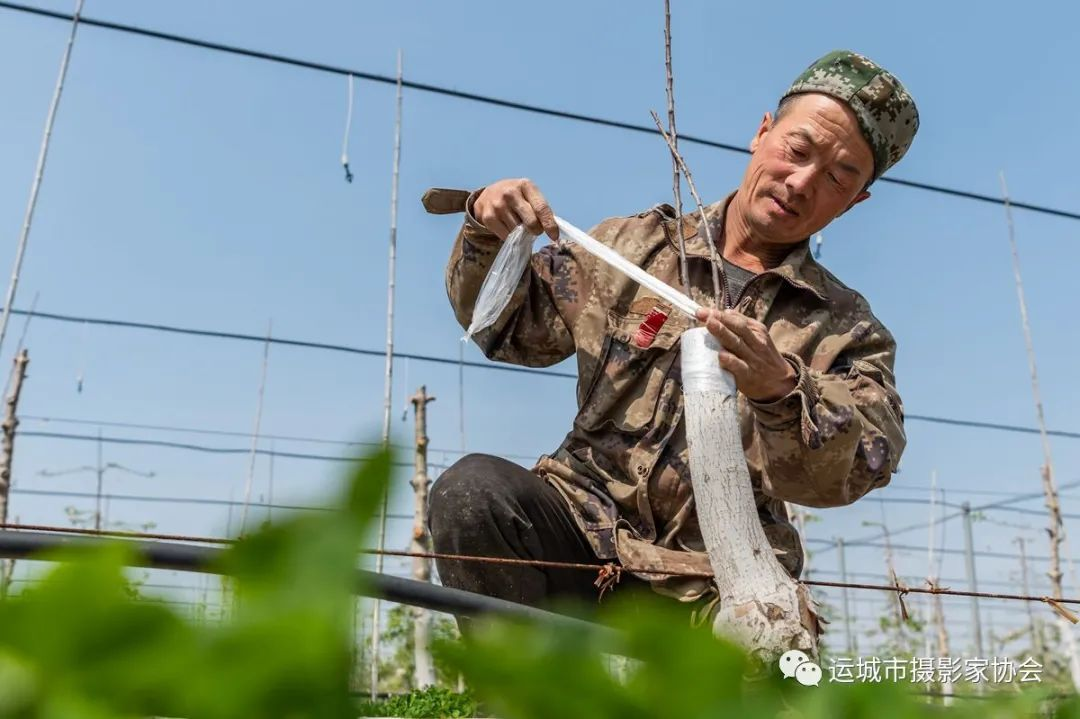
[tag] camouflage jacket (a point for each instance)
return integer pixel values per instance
(623, 468)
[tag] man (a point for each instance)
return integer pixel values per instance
(822, 423)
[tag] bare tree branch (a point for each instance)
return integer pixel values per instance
(719, 287)
(676, 186)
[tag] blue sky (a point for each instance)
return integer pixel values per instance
(193, 188)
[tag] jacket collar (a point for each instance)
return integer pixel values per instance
(798, 268)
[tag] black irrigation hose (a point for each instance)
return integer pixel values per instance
(192, 558)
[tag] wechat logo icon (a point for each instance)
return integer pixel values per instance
(796, 664)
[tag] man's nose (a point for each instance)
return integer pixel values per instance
(801, 180)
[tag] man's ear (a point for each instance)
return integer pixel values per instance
(763, 129)
(864, 195)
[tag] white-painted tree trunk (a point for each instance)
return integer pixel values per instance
(761, 606)
(424, 671)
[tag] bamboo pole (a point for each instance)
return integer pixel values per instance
(424, 675)
(389, 375)
(39, 173)
(1056, 529)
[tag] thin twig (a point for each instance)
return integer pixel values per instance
(674, 135)
(719, 289)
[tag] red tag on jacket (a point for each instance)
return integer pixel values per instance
(649, 327)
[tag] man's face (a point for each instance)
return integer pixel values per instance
(806, 168)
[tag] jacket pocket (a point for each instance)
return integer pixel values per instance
(628, 380)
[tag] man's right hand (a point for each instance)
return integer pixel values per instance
(505, 204)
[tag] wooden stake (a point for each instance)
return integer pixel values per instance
(11, 421)
(421, 542)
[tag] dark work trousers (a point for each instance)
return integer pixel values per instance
(488, 506)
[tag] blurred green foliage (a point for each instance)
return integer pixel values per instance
(78, 646)
(521, 671)
(430, 703)
(81, 645)
(397, 670)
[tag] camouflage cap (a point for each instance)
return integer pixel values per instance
(886, 112)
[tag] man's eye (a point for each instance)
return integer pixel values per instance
(797, 152)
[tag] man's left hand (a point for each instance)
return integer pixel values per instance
(761, 372)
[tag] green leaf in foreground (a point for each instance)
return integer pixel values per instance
(77, 646)
(528, 671)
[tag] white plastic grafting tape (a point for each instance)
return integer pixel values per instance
(513, 256)
(601, 251)
(701, 370)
